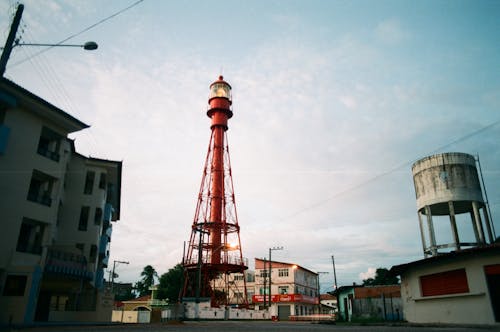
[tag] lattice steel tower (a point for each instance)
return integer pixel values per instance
(214, 255)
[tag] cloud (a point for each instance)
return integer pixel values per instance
(368, 274)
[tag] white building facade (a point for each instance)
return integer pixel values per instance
(461, 287)
(56, 212)
(294, 289)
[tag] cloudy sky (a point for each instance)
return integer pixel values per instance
(333, 101)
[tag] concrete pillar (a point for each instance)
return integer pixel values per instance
(474, 227)
(453, 223)
(477, 220)
(491, 237)
(422, 235)
(432, 235)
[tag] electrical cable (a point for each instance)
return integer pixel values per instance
(392, 170)
(77, 34)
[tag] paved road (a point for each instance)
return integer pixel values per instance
(242, 326)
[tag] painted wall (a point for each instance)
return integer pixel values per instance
(473, 307)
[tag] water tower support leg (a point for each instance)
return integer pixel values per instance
(454, 225)
(432, 235)
(474, 227)
(420, 222)
(477, 219)
(488, 225)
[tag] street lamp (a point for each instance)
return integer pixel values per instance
(113, 273)
(88, 46)
(12, 42)
(270, 270)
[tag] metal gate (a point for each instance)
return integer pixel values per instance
(283, 312)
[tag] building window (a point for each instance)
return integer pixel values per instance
(282, 272)
(239, 277)
(30, 237)
(98, 216)
(263, 290)
(49, 143)
(80, 246)
(40, 189)
(264, 273)
(89, 183)
(84, 218)
(93, 253)
(102, 181)
(15, 285)
(444, 283)
(283, 289)
(58, 302)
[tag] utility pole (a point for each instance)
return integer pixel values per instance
(9, 43)
(270, 271)
(319, 291)
(335, 281)
(334, 273)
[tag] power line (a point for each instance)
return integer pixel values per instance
(78, 33)
(392, 170)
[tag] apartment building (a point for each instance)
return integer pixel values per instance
(56, 210)
(294, 289)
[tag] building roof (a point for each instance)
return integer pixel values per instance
(325, 297)
(276, 264)
(19, 96)
(144, 298)
(453, 255)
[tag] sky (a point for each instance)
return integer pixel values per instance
(333, 101)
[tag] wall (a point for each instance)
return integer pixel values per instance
(471, 308)
(381, 308)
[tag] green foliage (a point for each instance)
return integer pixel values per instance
(382, 277)
(171, 283)
(148, 275)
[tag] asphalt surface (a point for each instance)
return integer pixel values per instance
(249, 326)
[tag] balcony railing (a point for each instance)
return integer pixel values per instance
(40, 197)
(108, 212)
(49, 154)
(4, 137)
(224, 260)
(68, 263)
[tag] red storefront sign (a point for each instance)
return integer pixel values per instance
(286, 298)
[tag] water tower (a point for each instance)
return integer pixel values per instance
(448, 184)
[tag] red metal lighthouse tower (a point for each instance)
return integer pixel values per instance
(214, 251)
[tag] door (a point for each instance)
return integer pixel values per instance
(283, 312)
(493, 280)
(42, 307)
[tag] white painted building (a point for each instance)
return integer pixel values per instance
(56, 209)
(461, 287)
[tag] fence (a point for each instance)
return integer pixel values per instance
(383, 308)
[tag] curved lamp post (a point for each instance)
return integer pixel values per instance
(12, 42)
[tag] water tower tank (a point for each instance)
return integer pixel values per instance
(448, 184)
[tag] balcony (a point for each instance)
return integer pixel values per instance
(108, 212)
(49, 144)
(41, 198)
(68, 263)
(4, 137)
(47, 153)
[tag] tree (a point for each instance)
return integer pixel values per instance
(171, 284)
(148, 275)
(382, 277)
